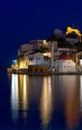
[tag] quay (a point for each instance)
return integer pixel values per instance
(25, 71)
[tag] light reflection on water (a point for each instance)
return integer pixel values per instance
(19, 96)
(72, 105)
(47, 93)
(46, 101)
(81, 94)
(14, 96)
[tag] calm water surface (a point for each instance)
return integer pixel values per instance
(37, 102)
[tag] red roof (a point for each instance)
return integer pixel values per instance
(64, 57)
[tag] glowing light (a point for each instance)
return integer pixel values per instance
(14, 61)
(70, 30)
(19, 96)
(14, 90)
(47, 54)
(72, 104)
(80, 61)
(24, 93)
(25, 99)
(14, 96)
(46, 101)
(81, 94)
(44, 41)
(23, 64)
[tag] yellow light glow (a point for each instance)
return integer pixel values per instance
(16, 66)
(72, 105)
(70, 30)
(44, 41)
(19, 95)
(46, 101)
(81, 94)
(25, 99)
(23, 64)
(47, 54)
(24, 93)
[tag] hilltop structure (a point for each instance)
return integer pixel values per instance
(73, 35)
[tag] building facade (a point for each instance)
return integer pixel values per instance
(60, 51)
(65, 64)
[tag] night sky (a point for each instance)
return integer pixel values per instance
(25, 20)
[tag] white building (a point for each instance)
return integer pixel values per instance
(38, 59)
(41, 59)
(34, 59)
(65, 64)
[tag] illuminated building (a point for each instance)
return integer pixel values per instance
(65, 64)
(47, 53)
(33, 59)
(37, 44)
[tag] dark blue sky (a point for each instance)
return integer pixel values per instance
(24, 20)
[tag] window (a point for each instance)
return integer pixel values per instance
(36, 70)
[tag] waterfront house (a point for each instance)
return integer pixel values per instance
(65, 64)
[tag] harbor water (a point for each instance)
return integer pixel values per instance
(40, 102)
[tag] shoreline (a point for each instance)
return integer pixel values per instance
(24, 71)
